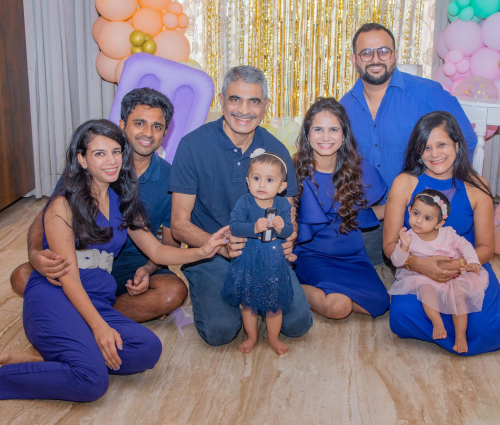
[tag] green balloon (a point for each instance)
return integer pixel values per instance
(149, 46)
(453, 8)
(476, 19)
(463, 3)
(466, 14)
(452, 18)
(137, 37)
(485, 8)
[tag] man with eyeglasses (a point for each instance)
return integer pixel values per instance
(384, 105)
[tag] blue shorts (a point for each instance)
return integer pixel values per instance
(124, 268)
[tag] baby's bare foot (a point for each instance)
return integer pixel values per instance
(29, 355)
(461, 344)
(439, 331)
(247, 345)
(278, 346)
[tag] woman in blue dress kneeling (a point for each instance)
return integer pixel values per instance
(436, 158)
(336, 189)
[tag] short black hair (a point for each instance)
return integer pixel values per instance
(371, 26)
(427, 197)
(148, 97)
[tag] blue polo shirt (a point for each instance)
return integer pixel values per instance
(407, 98)
(153, 187)
(207, 164)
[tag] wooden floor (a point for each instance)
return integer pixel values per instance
(353, 371)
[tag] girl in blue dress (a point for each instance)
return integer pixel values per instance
(80, 338)
(259, 279)
(336, 189)
(436, 158)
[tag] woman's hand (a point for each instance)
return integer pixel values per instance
(261, 225)
(140, 284)
(213, 245)
(438, 268)
(405, 239)
(108, 340)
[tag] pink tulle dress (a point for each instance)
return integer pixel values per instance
(458, 296)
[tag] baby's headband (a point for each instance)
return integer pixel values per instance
(260, 151)
(440, 202)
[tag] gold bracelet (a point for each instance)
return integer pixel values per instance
(407, 266)
(462, 262)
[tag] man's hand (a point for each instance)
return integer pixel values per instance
(140, 284)
(234, 248)
(50, 265)
(288, 247)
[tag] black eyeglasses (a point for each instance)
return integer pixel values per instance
(384, 54)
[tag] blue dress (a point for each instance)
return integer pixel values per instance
(407, 316)
(336, 262)
(74, 367)
(259, 278)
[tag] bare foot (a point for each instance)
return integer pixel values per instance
(247, 345)
(29, 355)
(439, 332)
(460, 344)
(278, 346)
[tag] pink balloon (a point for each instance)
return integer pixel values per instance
(454, 86)
(448, 89)
(463, 66)
(114, 40)
(119, 69)
(172, 45)
(497, 85)
(441, 48)
(485, 63)
(441, 78)
(455, 56)
(106, 67)
(458, 76)
(449, 69)
(116, 10)
(491, 31)
(476, 87)
(96, 27)
(464, 36)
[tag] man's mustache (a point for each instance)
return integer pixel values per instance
(236, 115)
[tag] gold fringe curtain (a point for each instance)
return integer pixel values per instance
(303, 46)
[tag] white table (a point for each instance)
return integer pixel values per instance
(483, 113)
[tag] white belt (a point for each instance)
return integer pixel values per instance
(93, 259)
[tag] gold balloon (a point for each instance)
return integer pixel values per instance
(148, 37)
(136, 49)
(149, 46)
(137, 38)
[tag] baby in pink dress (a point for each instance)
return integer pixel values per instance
(427, 237)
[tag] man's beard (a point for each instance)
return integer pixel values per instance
(376, 80)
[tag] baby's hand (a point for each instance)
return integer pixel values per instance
(472, 267)
(261, 225)
(278, 223)
(405, 239)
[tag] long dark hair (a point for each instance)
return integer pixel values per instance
(77, 186)
(462, 168)
(347, 174)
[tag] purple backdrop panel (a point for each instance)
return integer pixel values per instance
(190, 91)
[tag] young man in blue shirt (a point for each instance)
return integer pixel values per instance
(145, 291)
(208, 177)
(384, 105)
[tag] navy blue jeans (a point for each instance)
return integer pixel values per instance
(217, 321)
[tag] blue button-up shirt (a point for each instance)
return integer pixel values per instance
(383, 141)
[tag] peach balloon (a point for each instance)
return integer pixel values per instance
(172, 45)
(113, 39)
(147, 20)
(119, 69)
(116, 10)
(175, 7)
(96, 27)
(106, 67)
(181, 30)
(183, 20)
(170, 21)
(158, 5)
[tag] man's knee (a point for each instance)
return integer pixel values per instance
(220, 333)
(19, 278)
(297, 322)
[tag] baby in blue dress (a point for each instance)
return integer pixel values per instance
(259, 279)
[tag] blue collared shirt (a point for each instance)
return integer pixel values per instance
(207, 164)
(383, 142)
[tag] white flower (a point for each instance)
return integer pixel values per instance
(257, 152)
(436, 199)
